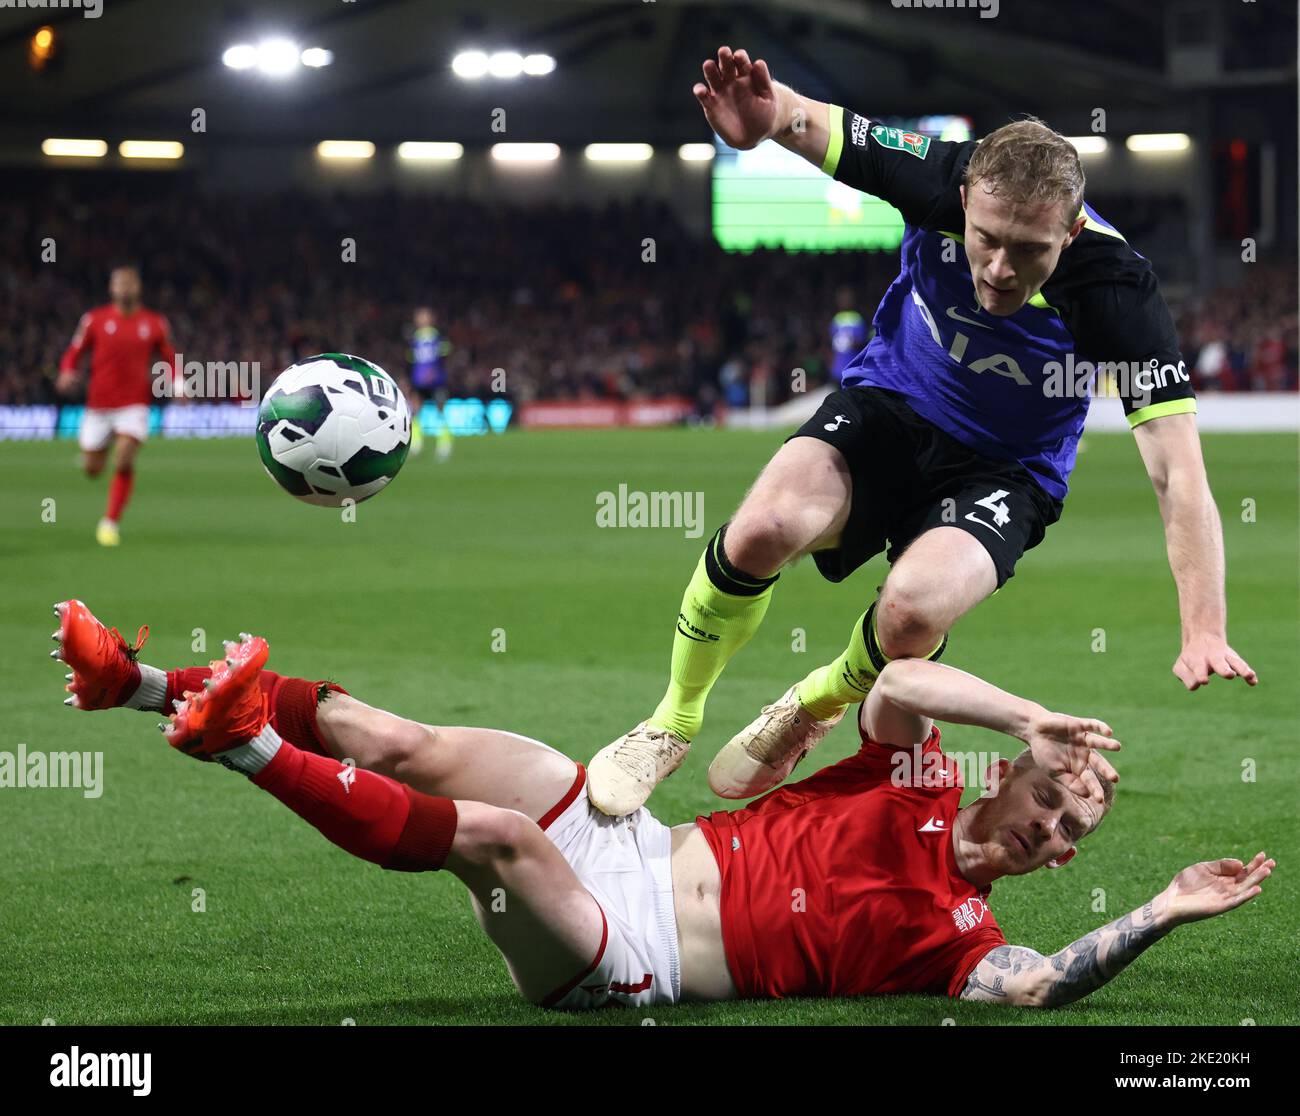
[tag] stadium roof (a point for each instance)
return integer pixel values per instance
(625, 68)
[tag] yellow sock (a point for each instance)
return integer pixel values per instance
(830, 689)
(721, 609)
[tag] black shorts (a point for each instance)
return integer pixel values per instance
(909, 476)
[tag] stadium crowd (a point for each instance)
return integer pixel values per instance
(559, 297)
(1243, 338)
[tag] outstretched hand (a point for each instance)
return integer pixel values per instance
(1214, 886)
(1204, 656)
(738, 97)
(1069, 748)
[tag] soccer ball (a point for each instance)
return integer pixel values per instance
(333, 427)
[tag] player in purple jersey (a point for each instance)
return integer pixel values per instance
(951, 441)
(428, 379)
(849, 333)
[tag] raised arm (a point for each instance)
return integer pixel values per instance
(1018, 975)
(1171, 451)
(911, 692)
(745, 107)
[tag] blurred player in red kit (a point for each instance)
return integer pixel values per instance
(122, 338)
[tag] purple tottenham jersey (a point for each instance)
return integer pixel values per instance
(1012, 388)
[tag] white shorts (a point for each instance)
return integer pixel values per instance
(626, 864)
(99, 426)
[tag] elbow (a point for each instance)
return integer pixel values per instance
(1044, 992)
(1183, 494)
(1034, 990)
(884, 683)
(891, 683)
(1179, 478)
(908, 684)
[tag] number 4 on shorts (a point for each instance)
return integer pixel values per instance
(1001, 513)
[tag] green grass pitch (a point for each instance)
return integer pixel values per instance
(401, 607)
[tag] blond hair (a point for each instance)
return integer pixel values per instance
(1025, 759)
(1028, 163)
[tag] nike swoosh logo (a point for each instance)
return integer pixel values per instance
(976, 519)
(932, 826)
(952, 313)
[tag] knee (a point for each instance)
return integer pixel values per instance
(402, 747)
(93, 468)
(908, 621)
(763, 537)
(489, 836)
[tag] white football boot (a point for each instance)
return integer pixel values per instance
(621, 775)
(764, 752)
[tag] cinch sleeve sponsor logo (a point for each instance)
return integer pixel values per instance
(1157, 375)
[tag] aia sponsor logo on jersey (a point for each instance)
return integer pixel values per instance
(970, 914)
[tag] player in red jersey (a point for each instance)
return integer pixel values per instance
(122, 338)
(866, 878)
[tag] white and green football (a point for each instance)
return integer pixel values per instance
(332, 428)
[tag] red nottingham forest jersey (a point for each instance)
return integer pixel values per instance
(846, 885)
(122, 349)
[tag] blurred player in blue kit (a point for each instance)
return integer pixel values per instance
(850, 332)
(429, 349)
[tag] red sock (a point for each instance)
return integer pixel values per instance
(119, 492)
(371, 816)
(293, 708)
(293, 702)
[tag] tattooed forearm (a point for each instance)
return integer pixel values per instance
(1014, 974)
(995, 977)
(1090, 962)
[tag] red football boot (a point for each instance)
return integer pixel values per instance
(104, 671)
(230, 709)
